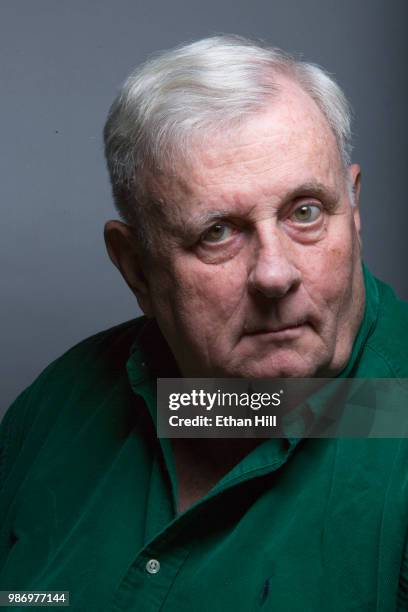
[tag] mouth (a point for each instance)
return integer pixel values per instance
(283, 332)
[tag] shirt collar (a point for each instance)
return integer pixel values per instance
(150, 359)
(367, 324)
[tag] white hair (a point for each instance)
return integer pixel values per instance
(195, 89)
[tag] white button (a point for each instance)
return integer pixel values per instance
(153, 566)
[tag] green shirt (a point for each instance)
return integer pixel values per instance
(88, 494)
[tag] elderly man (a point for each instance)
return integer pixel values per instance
(230, 166)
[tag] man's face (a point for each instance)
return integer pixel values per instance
(258, 270)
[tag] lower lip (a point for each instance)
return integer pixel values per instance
(289, 333)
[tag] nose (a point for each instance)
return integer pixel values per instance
(273, 272)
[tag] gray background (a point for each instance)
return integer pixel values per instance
(61, 64)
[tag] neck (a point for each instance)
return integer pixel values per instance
(201, 463)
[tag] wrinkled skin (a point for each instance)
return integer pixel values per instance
(257, 269)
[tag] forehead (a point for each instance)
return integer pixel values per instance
(288, 144)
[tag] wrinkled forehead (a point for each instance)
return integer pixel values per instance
(288, 144)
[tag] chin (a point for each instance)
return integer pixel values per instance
(289, 366)
(287, 372)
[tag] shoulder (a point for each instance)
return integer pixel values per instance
(388, 342)
(69, 390)
(101, 357)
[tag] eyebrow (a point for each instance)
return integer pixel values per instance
(316, 189)
(310, 188)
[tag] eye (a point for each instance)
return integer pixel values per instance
(217, 233)
(306, 213)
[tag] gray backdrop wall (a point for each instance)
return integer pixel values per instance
(61, 63)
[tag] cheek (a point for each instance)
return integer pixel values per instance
(218, 291)
(328, 272)
(209, 294)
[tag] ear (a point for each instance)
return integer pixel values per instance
(126, 256)
(355, 180)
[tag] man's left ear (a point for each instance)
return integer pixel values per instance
(126, 256)
(355, 181)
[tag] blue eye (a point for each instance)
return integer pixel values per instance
(217, 233)
(306, 213)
